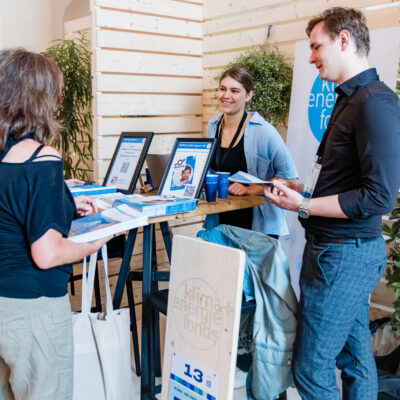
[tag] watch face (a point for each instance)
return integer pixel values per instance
(303, 214)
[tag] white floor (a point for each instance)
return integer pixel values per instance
(238, 394)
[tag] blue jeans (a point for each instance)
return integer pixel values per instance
(336, 281)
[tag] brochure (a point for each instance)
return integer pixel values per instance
(89, 190)
(154, 206)
(105, 223)
(245, 178)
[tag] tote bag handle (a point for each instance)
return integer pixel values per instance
(90, 281)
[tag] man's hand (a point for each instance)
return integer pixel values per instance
(282, 196)
(85, 205)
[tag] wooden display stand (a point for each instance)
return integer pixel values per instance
(204, 305)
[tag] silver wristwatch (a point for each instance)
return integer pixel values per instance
(303, 209)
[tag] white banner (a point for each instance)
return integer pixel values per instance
(311, 104)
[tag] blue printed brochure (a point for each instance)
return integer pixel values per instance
(105, 223)
(152, 206)
(89, 190)
(155, 206)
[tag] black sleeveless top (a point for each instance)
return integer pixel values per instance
(33, 199)
(234, 162)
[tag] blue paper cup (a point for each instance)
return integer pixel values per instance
(211, 187)
(223, 184)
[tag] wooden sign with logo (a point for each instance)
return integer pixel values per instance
(205, 296)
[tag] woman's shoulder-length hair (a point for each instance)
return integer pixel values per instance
(30, 94)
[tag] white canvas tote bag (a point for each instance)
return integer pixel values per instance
(102, 362)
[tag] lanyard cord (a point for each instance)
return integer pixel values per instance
(220, 126)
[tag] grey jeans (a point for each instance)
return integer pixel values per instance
(36, 349)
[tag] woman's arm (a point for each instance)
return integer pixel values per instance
(238, 189)
(52, 250)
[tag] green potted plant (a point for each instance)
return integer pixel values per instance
(272, 77)
(393, 270)
(75, 142)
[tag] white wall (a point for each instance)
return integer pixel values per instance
(33, 24)
(26, 23)
(67, 10)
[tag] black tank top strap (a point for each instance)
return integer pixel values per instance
(35, 153)
(49, 155)
(12, 142)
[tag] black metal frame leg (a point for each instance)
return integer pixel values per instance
(124, 271)
(147, 318)
(167, 238)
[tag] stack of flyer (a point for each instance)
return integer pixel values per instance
(152, 206)
(89, 190)
(106, 223)
(155, 206)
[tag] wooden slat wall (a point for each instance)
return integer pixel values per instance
(147, 72)
(234, 26)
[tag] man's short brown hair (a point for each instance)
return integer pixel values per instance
(337, 19)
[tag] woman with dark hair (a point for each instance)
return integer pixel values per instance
(246, 142)
(36, 210)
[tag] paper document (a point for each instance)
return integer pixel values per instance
(105, 223)
(244, 177)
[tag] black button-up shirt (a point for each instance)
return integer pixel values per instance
(360, 157)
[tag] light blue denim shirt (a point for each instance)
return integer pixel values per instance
(266, 156)
(267, 281)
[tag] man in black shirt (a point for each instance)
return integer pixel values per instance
(345, 254)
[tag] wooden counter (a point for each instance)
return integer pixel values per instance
(221, 205)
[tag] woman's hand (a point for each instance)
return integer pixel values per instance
(85, 205)
(74, 182)
(237, 189)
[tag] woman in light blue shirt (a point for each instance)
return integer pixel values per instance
(249, 143)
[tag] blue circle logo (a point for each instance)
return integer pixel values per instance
(320, 106)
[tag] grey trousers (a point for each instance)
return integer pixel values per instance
(36, 349)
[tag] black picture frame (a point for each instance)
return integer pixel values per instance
(148, 136)
(178, 141)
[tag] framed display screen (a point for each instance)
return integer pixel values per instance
(187, 168)
(127, 161)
